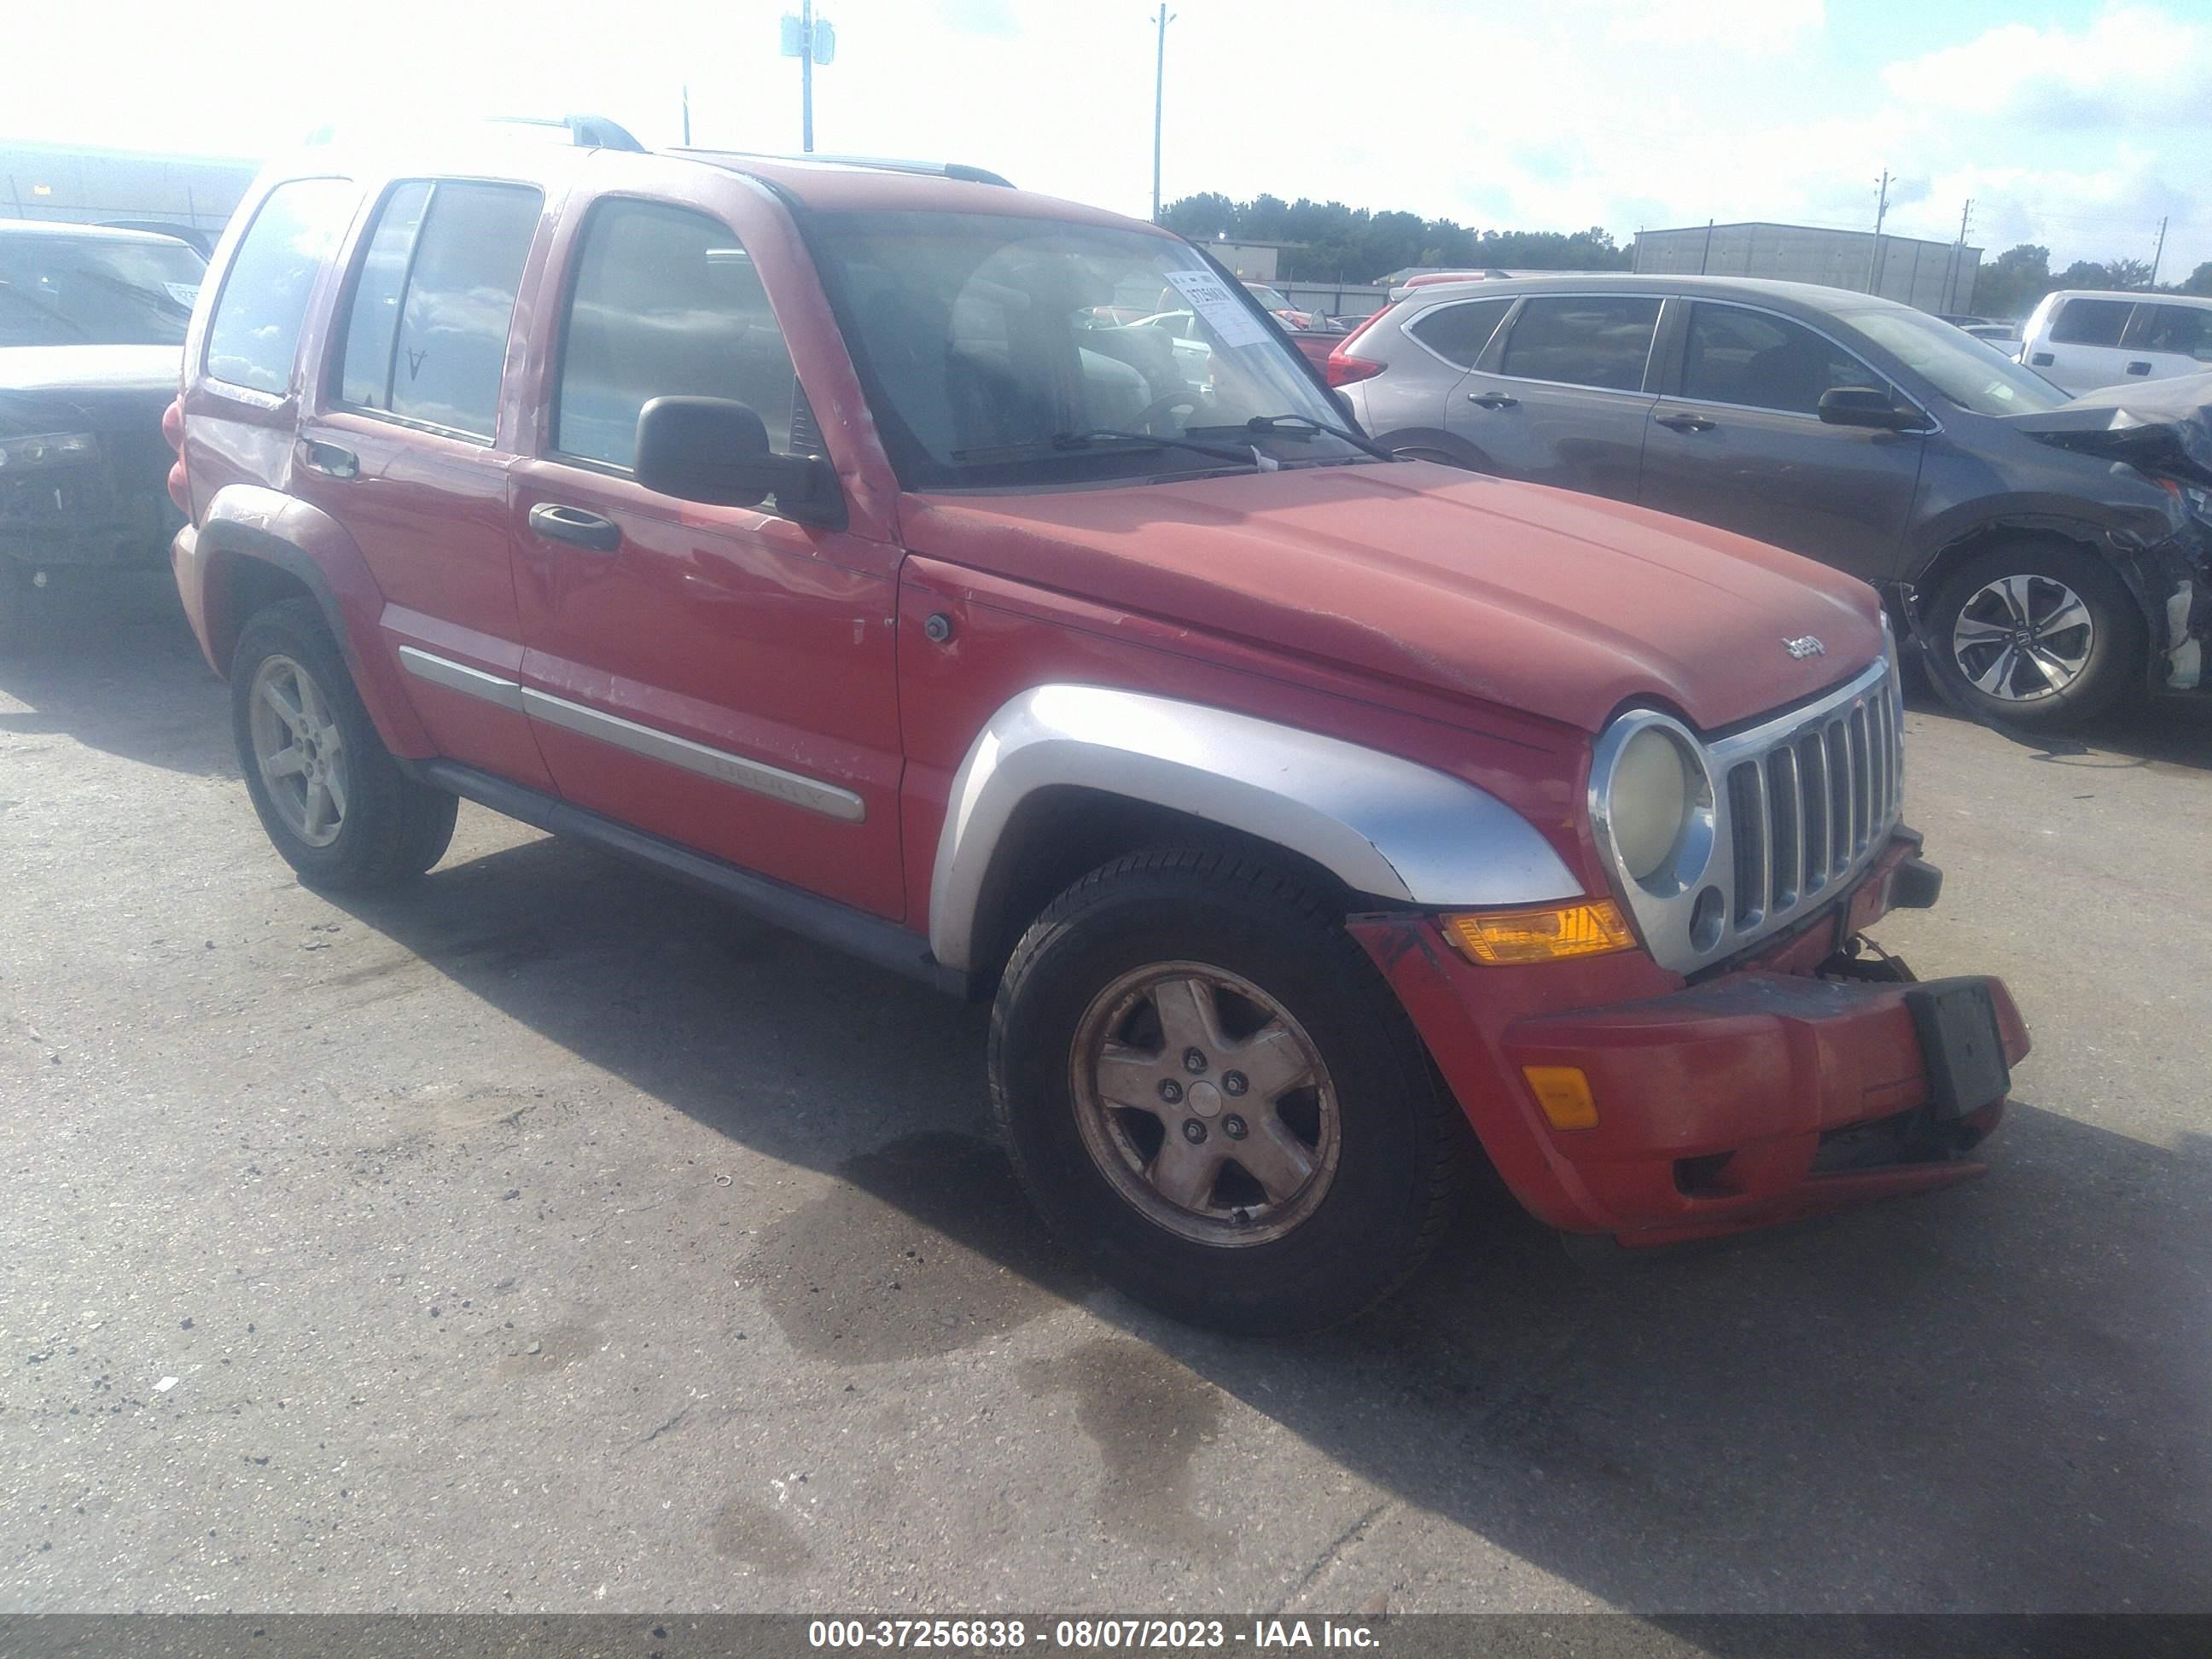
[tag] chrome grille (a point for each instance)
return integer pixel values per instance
(1837, 772)
(1801, 804)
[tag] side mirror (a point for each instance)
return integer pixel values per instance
(715, 450)
(1868, 406)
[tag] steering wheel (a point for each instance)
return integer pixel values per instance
(1159, 406)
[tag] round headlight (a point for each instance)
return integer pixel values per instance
(1650, 801)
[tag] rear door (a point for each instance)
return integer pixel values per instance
(1434, 350)
(1736, 441)
(719, 677)
(1560, 397)
(2163, 340)
(2081, 349)
(401, 450)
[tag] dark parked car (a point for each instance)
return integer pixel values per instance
(1878, 439)
(92, 330)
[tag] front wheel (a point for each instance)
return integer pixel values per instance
(2035, 635)
(337, 805)
(1208, 1088)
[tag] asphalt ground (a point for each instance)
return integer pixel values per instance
(546, 1238)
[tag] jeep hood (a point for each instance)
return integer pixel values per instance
(2160, 426)
(1561, 605)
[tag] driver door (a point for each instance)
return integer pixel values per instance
(719, 677)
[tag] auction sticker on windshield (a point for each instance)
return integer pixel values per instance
(1223, 312)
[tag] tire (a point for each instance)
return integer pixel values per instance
(1383, 1148)
(386, 827)
(1974, 632)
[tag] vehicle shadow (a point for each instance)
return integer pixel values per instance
(1988, 1399)
(2164, 732)
(108, 659)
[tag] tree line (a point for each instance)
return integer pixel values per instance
(1333, 243)
(2010, 284)
(1330, 242)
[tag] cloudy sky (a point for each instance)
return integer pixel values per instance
(2074, 122)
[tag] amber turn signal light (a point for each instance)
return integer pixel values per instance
(1564, 1094)
(1585, 927)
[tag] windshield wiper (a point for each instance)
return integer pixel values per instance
(1302, 426)
(1072, 442)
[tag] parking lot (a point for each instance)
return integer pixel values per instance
(546, 1236)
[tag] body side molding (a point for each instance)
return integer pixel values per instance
(1383, 825)
(738, 771)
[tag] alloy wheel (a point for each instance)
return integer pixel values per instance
(1204, 1104)
(2022, 639)
(300, 750)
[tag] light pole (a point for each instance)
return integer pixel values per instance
(1159, 102)
(812, 40)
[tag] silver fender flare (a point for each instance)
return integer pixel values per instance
(1380, 824)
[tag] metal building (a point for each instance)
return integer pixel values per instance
(95, 186)
(1936, 276)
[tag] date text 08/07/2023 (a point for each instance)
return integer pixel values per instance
(1090, 1634)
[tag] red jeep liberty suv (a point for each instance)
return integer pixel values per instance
(810, 530)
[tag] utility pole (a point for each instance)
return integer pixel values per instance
(1881, 212)
(2157, 253)
(1958, 259)
(687, 117)
(1159, 103)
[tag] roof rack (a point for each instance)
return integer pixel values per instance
(959, 170)
(584, 132)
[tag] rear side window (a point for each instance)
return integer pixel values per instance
(1761, 361)
(255, 331)
(1458, 333)
(2090, 322)
(665, 303)
(1597, 341)
(426, 338)
(2185, 330)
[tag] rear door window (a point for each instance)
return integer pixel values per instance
(2090, 322)
(2184, 331)
(1757, 361)
(426, 338)
(1597, 340)
(666, 303)
(254, 334)
(1458, 333)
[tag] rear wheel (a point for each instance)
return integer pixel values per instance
(2035, 634)
(1208, 1088)
(335, 805)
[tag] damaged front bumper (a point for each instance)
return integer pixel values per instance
(1799, 1081)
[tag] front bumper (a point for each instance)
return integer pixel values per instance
(1758, 1095)
(85, 517)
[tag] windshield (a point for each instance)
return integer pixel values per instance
(1270, 298)
(1001, 352)
(83, 290)
(1972, 373)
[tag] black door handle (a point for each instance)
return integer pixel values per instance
(328, 460)
(1685, 422)
(2138, 368)
(576, 527)
(1492, 399)
(2041, 359)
